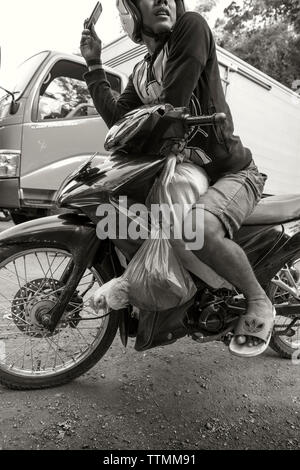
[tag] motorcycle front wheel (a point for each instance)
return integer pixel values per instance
(31, 357)
(286, 333)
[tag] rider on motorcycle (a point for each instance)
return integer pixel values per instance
(181, 68)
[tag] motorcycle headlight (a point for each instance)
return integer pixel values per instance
(9, 163)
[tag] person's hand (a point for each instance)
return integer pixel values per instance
(178, 150)
(175, 147)
(90, 44)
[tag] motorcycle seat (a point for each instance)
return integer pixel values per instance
(275, 209)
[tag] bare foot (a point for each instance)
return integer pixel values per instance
(261, 307)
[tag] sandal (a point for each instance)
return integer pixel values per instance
(252, 325)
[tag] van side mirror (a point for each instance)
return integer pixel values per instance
(14, 107)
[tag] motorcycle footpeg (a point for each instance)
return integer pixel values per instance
(225, 336)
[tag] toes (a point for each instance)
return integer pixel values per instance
(253, 341)
(241, 339)
(250, 341)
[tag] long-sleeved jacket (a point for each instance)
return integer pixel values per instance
(184, 73)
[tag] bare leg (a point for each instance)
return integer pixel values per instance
(230, 261)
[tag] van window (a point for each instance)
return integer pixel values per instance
(64, 93)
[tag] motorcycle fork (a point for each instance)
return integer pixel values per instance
(293, 288)
(81, 260)
(287, 309)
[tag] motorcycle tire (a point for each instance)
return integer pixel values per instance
(27, 331)
(286, 347)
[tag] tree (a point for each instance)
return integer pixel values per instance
(264, 33)
(205, 6)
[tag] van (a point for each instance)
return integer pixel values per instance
(47, 131)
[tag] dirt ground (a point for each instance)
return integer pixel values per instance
(185, 397)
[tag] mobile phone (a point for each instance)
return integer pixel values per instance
(94, 16)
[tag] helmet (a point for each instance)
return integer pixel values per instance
(131, 19)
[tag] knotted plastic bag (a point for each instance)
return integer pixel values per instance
(180, 185)
(157, 279)
(183, 184)
(154, 279)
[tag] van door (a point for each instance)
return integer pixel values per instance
(63, 124)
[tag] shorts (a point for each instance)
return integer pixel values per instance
(234, 196)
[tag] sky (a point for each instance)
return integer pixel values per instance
(30, 26)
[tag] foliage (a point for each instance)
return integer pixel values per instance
(264, 33)
(205, 6)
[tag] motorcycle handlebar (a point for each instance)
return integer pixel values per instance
(217, 119)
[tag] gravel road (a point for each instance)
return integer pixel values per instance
(185, 396)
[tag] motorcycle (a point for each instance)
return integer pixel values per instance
(50, 268)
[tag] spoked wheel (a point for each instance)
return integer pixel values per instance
(30, 285)
(286, 334)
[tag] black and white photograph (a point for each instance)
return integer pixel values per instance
(149, 228)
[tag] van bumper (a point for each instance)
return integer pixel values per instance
(9, 193)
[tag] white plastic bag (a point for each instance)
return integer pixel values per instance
(156, 278)
(185, 183)
(180, 184)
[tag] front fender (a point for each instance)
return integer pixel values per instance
(53, 174)
(73, 232)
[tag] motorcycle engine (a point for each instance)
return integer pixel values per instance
(212, 319)
(209, 314)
